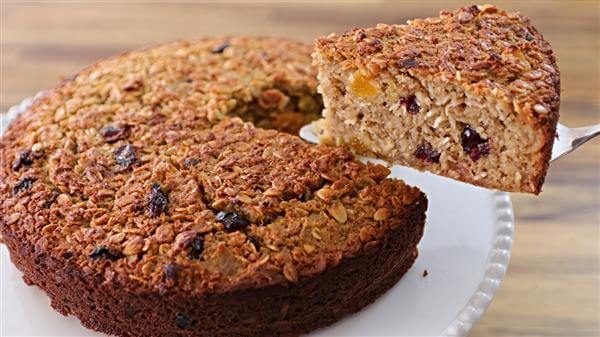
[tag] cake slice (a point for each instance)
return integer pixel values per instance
(472, 95)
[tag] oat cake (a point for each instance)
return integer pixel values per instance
(135, 197)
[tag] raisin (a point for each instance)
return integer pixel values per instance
(360, 36)
(233, 221)
(427, 154)
(196, 248)
(191, 162)
(182, 321)
(473, 143)
(220, 49)
(171, 270)
(407, 63)
(125, 155)
(254, 242)
(411, 104)
(24, 184)
(105, 253)
(23, 159)
(112, 133)
(157, 201)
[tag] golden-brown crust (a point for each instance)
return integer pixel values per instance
(133, 175)
(478, 46)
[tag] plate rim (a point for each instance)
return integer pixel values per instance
(495, 268)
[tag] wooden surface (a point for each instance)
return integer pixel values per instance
(552, 286)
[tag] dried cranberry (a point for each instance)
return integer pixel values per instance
(473, 143)
(182, 321)
(24, 184)
(196, 248)
(427, 154)
(220, 49)
(105, 253)
(233, 221)
(171, 270)
(125, 155)
(157, 201)
(23, 159)
(411, 104)
(112, 133)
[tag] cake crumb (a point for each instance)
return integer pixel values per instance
(425, 273)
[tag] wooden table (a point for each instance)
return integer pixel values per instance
(552, 286)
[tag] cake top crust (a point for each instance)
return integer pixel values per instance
(486, 49)
(132, 173)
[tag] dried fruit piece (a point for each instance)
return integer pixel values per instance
(427, 154)
(407, 63)
(196, 248)
(157, 201)
(473, 143)
(411, 104)
(103, 252)
(171, 271)
(191, 162)
(233, 221)
(112, 133)
(125, 155)
(24, 184)
(220, 49)
(182, 321)
(24, 158)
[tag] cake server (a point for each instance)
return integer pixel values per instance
(567, 139)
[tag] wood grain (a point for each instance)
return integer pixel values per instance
(552, 286)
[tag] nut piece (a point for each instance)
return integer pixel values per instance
(117, 238)
(382, 214)
(133, 246)
(338, 212)
(309, 248)
(13, 218)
